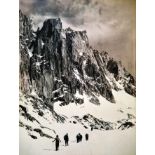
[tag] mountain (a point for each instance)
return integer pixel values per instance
(63, 80)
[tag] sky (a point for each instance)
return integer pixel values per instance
(110, 24)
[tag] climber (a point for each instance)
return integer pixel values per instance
(57, 141)
(66, 139)
(86, 137)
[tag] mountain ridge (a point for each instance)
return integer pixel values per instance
(59, 56)
(65, 51)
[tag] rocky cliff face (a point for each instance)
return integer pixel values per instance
(55, 63)
(25, 38)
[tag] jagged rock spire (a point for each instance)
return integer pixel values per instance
(62, 63)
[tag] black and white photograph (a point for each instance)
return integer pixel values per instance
(77, 77)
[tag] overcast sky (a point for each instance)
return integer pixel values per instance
(110, 24)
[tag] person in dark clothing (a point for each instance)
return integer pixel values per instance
(80, 137)
(66, 139)
(77, 138)
(86, 136)
(57, 141)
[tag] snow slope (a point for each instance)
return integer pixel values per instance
(125, 104)
(101, 142)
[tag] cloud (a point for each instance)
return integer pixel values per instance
(110, 24)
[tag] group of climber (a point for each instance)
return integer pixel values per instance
(66, 139)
